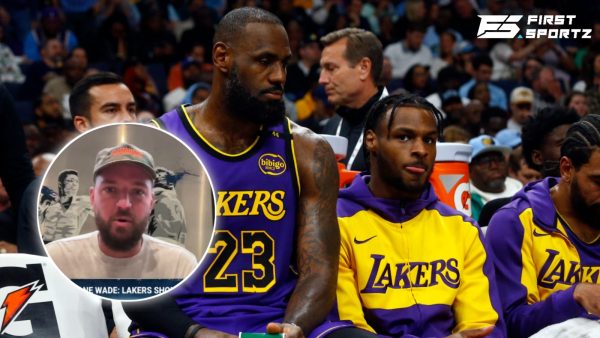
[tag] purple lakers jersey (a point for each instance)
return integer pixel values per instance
(246, 277)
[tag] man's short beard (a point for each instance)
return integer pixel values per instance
(249, 108)
(121, 244)
(590, 214)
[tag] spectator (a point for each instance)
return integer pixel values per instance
(446, 53)
(10, 31)
(304, 73)
(48, 113)
(449, 78)
(348, 16)
(493, 120)
(481, 93)
(41, 162)
(351, 63)
(40, 72)
(374, 11)
(408, 52)
(175, 78)
(34, 140)
(509, 138)
(415, 11)
(454, 133)
(157, 43)
(518, 168)
(482, 66)
(488, 171)
(439, 19)
(590, 46)
(453, 107)
(591, 73)
(546, 89)
(386, 27)
(197, 93)
(51, 27)
(509, 56)
(191, 73)
(79, 16)
(521, 101)
(143, 88)
(494, 7)
(116, 42)
(473, 117)
(556, 57)
(577, 101)
(464, 18)
(543, 136)
(386, 73)
(201, 33)
(530, 65)
(60, 87)
(417, 80)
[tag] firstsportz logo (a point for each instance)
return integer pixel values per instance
(546, 26)
(498, 26)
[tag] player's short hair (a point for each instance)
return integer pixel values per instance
(539, 126)
(79, 99)
(583, 138)
(361, 43)
(393, 102)
(232, 25)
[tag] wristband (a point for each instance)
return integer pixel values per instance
(192, 330)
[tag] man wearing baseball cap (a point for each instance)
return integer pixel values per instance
(489, 173)
(521, 101)
(122, 200)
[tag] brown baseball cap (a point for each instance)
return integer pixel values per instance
(122, 153)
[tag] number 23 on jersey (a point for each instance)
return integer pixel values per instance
(260, 278)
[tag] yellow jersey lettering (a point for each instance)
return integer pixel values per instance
(277, 200)
(240, 202)
(251, 203)
(223, 203)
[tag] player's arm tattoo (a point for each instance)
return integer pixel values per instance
(318, 235)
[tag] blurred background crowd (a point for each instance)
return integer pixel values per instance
(162, 49)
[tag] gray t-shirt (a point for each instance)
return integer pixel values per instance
(80, 257)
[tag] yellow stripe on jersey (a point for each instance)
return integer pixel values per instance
(294, 156)
(191, 124)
